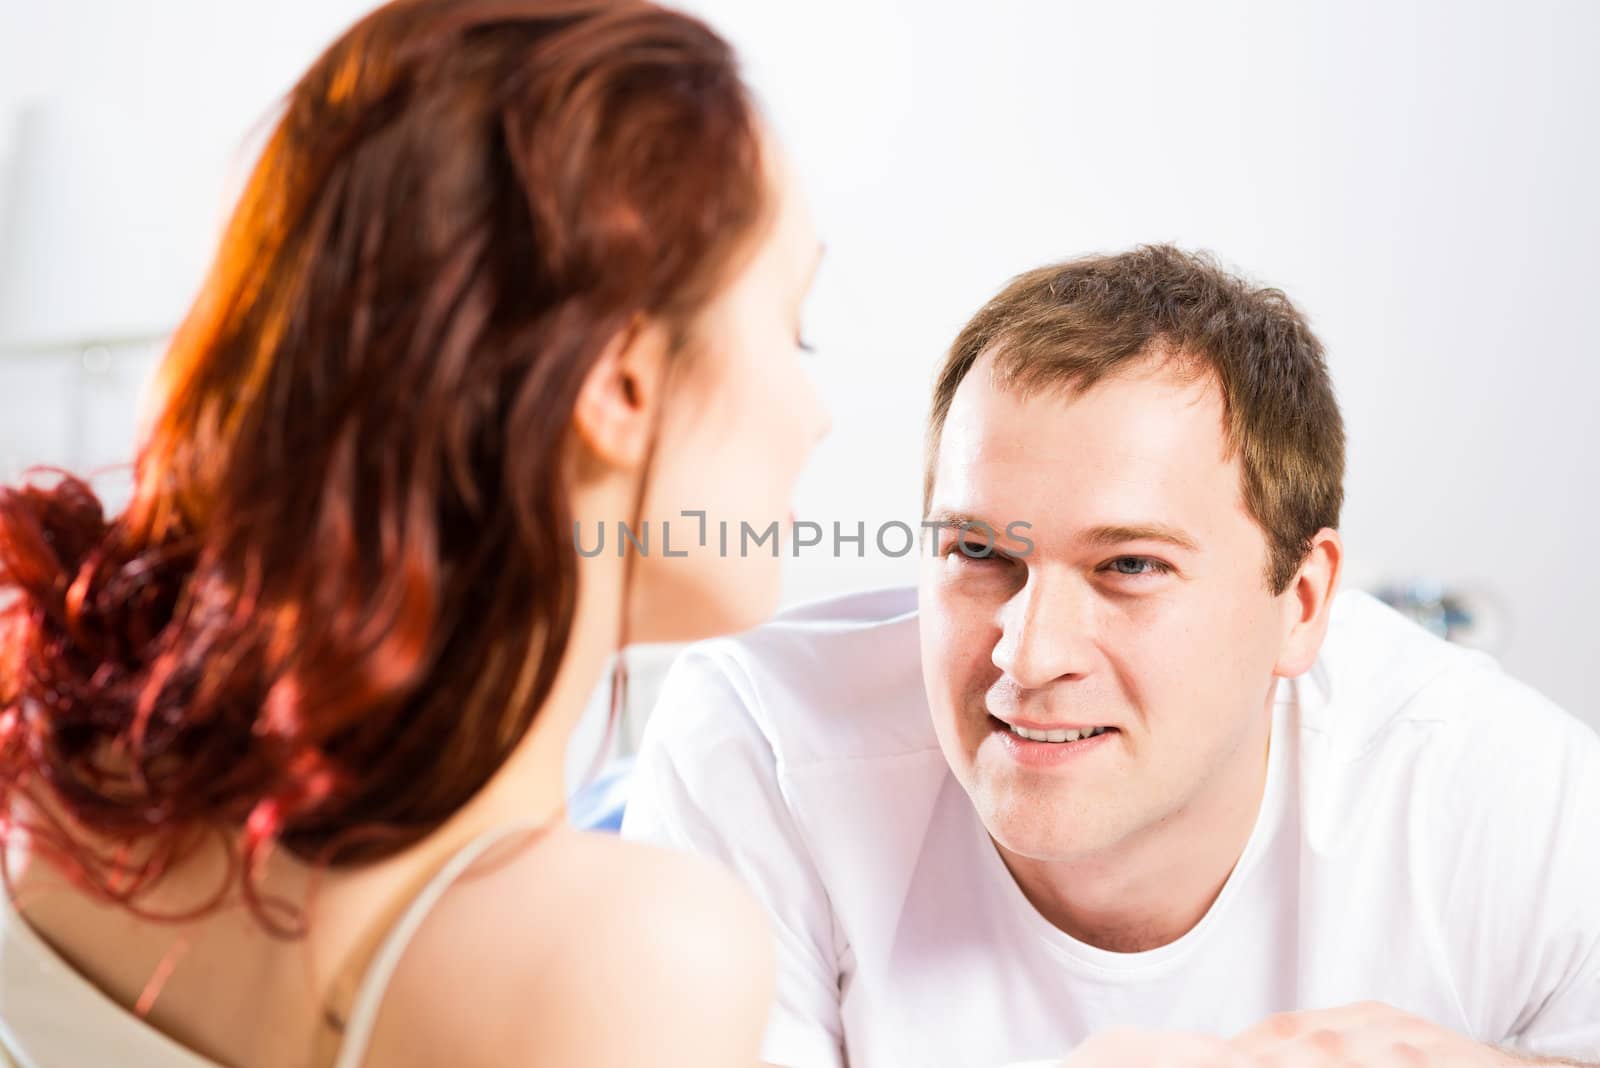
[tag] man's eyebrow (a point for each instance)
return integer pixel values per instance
(1103, 536)
(1106, 536)
(946, 518)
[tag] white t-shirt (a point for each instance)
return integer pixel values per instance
(1429, 837)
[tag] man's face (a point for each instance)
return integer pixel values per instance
(1142, 607)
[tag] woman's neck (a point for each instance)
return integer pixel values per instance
(530, 787)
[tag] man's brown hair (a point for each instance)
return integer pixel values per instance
(1074, 323)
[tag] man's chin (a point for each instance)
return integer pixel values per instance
(1033, 827)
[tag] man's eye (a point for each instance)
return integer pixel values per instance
(975, 551)
(1138, 565)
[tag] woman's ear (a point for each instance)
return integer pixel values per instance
(1306, 604)
(620, 397)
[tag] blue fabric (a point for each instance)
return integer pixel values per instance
(599, 805)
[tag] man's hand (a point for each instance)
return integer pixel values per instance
(1366, 1035)
(1370, 1034)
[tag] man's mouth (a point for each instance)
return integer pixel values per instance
(1052, 735)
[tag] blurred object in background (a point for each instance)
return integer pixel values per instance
(93, 277)
(77, 408)
(102, 240)
(1473, 618)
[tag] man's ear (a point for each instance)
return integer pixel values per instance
(617, 406)
(1306, 603)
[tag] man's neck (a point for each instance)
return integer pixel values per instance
(1151, 889)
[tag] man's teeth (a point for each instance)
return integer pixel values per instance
(1055, 736)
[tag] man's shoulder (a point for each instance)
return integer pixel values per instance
(834, 680)
(807, 742)
(1440, 794)
(1380, 678)
(1389, 704)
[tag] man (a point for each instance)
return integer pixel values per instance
(1124, 765)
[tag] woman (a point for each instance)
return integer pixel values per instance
(282, 743)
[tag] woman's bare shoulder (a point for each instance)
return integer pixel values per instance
(584, 949)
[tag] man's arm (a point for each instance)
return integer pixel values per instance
(1514, 868)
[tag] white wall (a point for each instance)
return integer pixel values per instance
(1418, 177)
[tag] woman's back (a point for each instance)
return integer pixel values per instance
(510, 275)
(472, 970)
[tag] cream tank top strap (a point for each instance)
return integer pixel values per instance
(369, 995)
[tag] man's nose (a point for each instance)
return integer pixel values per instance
(1045, 632)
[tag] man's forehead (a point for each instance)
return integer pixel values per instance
(1141, 450)
(1156, 421)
